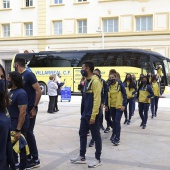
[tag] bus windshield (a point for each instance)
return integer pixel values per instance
(166, 65)
(167, 70)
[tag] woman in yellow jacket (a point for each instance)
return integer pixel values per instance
(155, 98)
(131, 89)
(116, 102)
(144, 95)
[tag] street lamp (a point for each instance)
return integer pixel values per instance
(101, 31)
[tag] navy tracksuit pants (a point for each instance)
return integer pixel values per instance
(95, 132)
(108, 118)
(116, 115)
(143, 112)
(130, 102)
(154, 105)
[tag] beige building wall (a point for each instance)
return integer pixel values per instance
(44, 13)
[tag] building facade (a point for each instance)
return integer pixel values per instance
(55, 25)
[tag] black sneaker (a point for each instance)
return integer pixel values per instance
(152, 116)
(33, 164)
(125, 121)
(128, 122)
(144, 127)
(107, 130)
(116, 142)
(141, 124)
(112, 138)
(91, 143)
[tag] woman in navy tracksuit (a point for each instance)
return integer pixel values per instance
(116, 101)
(155, 98)
(144, 96)
(130, 88)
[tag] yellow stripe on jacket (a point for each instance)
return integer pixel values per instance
(96, 90)
(115, 97)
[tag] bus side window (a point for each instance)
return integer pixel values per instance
(38, 61)
(110, 60)
(57, 61)
(99, 59)
(119, 62)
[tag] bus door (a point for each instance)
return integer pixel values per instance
(163, 81)
(76, 79)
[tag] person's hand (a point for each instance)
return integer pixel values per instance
(106, 108)
(122, 108)
(92, 121)
(17, 136)
(137, 100)
(33, 112)
(147, 100)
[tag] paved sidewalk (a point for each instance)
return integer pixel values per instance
(58, 140)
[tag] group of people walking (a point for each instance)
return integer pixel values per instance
(19, 106)
(18, 110)
(116, 97)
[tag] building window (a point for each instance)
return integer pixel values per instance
(29, 3)
(58, 27)
(58, 1)
(29, 29)
(82, 0)
(6, 3)
(144, 23)
(82, 26)
(110, 25)
(6, 30)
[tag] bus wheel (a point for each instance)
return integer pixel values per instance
(43, 88)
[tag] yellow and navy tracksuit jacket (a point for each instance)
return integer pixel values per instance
(156, 89)
(130, 92)
(145, 93)
(116, 96)
(91, 99)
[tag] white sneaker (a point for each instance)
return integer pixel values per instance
(78, 160)
(95, 163)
